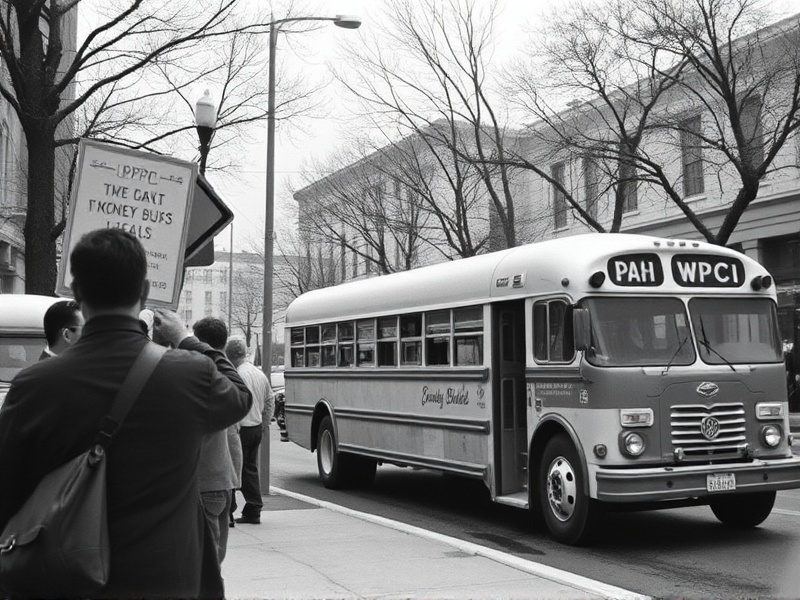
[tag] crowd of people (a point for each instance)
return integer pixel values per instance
(190, 441)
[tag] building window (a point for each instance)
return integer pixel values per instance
(559, 200)
(356, 258)
(223, 302)
(629, 187)
(343, 258)
(590, 186)
(753, 152)
(692, 157)
(187, 296)
(208, 303)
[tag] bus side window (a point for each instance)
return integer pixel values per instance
(366, 343)
(387, 342)
(298, 350)
(468, 333)
(552, 332)
(411, 339)
(312, 346)
(329, 345)
(540, 331)
(437, 338)
(345, 336)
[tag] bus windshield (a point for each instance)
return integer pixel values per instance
(736, 330)
(639, 331)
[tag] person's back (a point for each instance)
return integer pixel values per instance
(53, 412)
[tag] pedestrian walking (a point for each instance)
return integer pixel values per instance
(251, 429)
(159, 544)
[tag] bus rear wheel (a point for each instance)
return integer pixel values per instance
(743, 511)
(340, 470)
(569, 513)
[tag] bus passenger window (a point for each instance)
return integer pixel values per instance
(366, 343)
(387, 342)
(329, 345)
(298, 351)
(437, 332)
(312, 346)
(345, 336)
(411, 339)
(468, 332)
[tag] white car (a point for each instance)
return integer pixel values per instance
(21, 334)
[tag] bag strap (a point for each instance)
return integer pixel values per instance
(132, 386)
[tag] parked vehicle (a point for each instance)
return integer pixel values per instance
(21, 334)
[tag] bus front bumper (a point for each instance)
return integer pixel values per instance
(695, 481)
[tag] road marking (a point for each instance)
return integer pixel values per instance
(584, 584)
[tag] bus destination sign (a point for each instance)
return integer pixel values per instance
(636, 270)
(702, 270)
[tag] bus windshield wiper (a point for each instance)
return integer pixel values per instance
(707, 345)
(675, 354)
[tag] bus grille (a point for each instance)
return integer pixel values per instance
(687, 423)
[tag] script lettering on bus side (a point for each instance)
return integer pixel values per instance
(702, 270)
(636, 270)
(459, 396)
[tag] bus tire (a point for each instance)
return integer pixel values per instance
(743, 511)
(329, 463)
(570, 515)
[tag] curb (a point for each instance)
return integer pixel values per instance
(584, 584)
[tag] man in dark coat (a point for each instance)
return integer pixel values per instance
(54, 408)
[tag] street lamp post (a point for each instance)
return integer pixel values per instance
(205, 120)
(346, 22)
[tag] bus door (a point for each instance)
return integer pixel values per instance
(510, 413)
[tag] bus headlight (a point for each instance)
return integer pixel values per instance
(771, 436)
(636, 417)
(633, 443)
(769, 410)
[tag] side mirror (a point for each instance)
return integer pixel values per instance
(582, 328)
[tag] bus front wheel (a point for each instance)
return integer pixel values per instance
(568, 512)
(743, 511)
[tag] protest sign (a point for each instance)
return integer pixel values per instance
(146, 194)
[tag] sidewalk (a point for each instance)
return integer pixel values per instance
(305, 548)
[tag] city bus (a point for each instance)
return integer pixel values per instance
(570, 376)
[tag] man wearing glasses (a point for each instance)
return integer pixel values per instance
(63, 324)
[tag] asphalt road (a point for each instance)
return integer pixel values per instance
(672, 553)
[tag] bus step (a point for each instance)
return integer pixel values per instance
(518, 499)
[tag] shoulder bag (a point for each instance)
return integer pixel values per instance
(57, 544)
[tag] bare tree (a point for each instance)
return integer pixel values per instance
(364, 210)
(426, 75)
(40, 86)
(654, 81)
(247, 299)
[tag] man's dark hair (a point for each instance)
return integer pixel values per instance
(212, 331)
(109, 267)
(61, 315)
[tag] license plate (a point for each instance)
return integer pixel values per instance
(724, 482)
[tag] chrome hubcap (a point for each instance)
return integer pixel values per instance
(561, 489)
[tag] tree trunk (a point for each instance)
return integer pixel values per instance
(40, 245)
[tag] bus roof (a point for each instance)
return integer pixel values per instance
(559, 265)
(23, 314)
